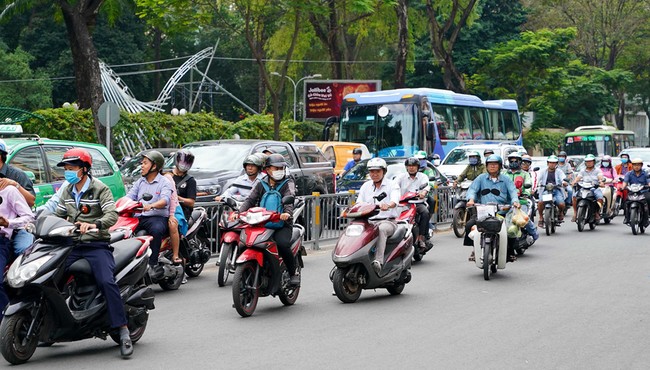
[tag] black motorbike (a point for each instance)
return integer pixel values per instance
(636, 208)
(587, 205)
(51, 303)
(551, 211)
(194, 246)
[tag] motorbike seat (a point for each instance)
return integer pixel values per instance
(398, 234)
(195, 216)
(123, 253)
(295, 234)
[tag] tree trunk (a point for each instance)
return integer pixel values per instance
(79, 20)
(619, 117)
(277, 116)
(402, 43)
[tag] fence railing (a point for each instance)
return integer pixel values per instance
(321, 215)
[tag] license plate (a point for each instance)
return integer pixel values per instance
(547, 197)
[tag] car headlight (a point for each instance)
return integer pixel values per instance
(208, 190)
(19, 274)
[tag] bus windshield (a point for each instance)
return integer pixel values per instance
(597, 143)
(390, 130)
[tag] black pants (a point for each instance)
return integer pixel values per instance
(158, 228)
(423, 220)
(283, 240)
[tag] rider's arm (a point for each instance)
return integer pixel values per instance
(190, 188)
(23, 212)
(288, 189)
(474, 188)
(394, 196)
(109, 217)
(512, 191)
(252, 199)
(133, 192)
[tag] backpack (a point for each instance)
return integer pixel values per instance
(272, 201)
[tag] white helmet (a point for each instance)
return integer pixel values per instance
(376, 164)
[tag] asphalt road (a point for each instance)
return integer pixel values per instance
(574, 301)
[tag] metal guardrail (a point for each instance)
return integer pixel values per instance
(321, 215)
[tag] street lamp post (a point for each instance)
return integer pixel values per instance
(295, 87)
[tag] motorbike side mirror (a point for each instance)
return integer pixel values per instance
(230, 202)
(147, 197)
(528, 186)
(289, 199)
(423, 186)
(536, 169)
(381, 196)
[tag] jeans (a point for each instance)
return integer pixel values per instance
(4, 258)
(21, 241)
(158, 228)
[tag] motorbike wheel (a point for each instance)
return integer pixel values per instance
(172, 283)
(13, 345)
(245, 291)
(225, 259)
(548, 220)
(135, 334)
(458, 223)
(634, 221)
(487, 261)
(396, 289)
(580, 219)
(617, 206)
(346, 291)
(196, 269)
(288, 294)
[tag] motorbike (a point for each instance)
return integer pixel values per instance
(551, 211)
(608, 212)
(229, 229)
(411, 200)
(461, 214)
(51, 303)
(636, 208)
(127, 223)
(490, 239)
(355, 249)
(525, 240)
(194, 246)
(621, 197)
(587, 205)
(259, 270)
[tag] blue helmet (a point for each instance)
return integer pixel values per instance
(494, 158)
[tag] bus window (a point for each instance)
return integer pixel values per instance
(461, 124)
(443, 123)
(510, 125)
(477, 121)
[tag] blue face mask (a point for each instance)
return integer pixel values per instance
(605, 164)
(473, 161)
(72, 177)
(624, 160)
(562, 159)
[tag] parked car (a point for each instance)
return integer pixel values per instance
(340, 152)
(456, 160)
(217, 163)
(39, 157)
(131, 168)
(357, 175)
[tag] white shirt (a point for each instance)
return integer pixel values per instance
(241, 188)
(406, 183)
(368, 191)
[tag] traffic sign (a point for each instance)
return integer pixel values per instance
(109, 114)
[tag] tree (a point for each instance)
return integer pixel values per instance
(80, 18)
(446, 20)
(401, 8)
(32, 92)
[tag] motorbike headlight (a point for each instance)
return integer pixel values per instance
(353, 230)
(19, 274)
(254, 218)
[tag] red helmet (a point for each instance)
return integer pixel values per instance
(77, 157)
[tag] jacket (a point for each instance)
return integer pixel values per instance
(471, 172)
(253, 200)
(96, 206)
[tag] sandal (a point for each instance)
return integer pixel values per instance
(471, 257)
(512, 258)
(540, 224)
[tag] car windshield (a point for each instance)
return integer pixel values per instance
(208, 158)
(360, 171)
(643, 154)
(459, 156)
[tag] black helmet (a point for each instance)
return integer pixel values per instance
(253, 159)
(275, 160)
(486, 151)
(412, 162)
(356, 151)
(156, 158)
(562, 154)
(184, 160)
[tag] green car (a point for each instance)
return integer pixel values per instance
(39, 157)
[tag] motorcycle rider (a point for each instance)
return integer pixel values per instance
(625, 166)
(275, 167)
(89, 204)
(610, 175)
(526, 162)
(567, 169)
(378, 184)
(513, 172)
(493, 179)
(184, 182)
(412, 181)
(637, 176)
(244, 184)
(155, 213)
(552, 175)
(435, 159)
(356, 157)
(593, 175)
(473, 169)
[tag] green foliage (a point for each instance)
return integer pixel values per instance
(32, 91)
(546, 140)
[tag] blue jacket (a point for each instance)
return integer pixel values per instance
(507, 189)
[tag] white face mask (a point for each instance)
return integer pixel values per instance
(277, 175)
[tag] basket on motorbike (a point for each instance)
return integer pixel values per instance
(486, 218)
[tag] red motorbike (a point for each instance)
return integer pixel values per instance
(259, 270)
(230, 227)
(411, 200)
(621, 196)
(127, 223)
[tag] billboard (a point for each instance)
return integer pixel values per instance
(323, 97)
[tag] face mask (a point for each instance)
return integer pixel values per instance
(514, 165)
(561, 159)
(473, 161)
(605, 164)
(277, 175)
(436, 162)
(624, 160)
(71, 177)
